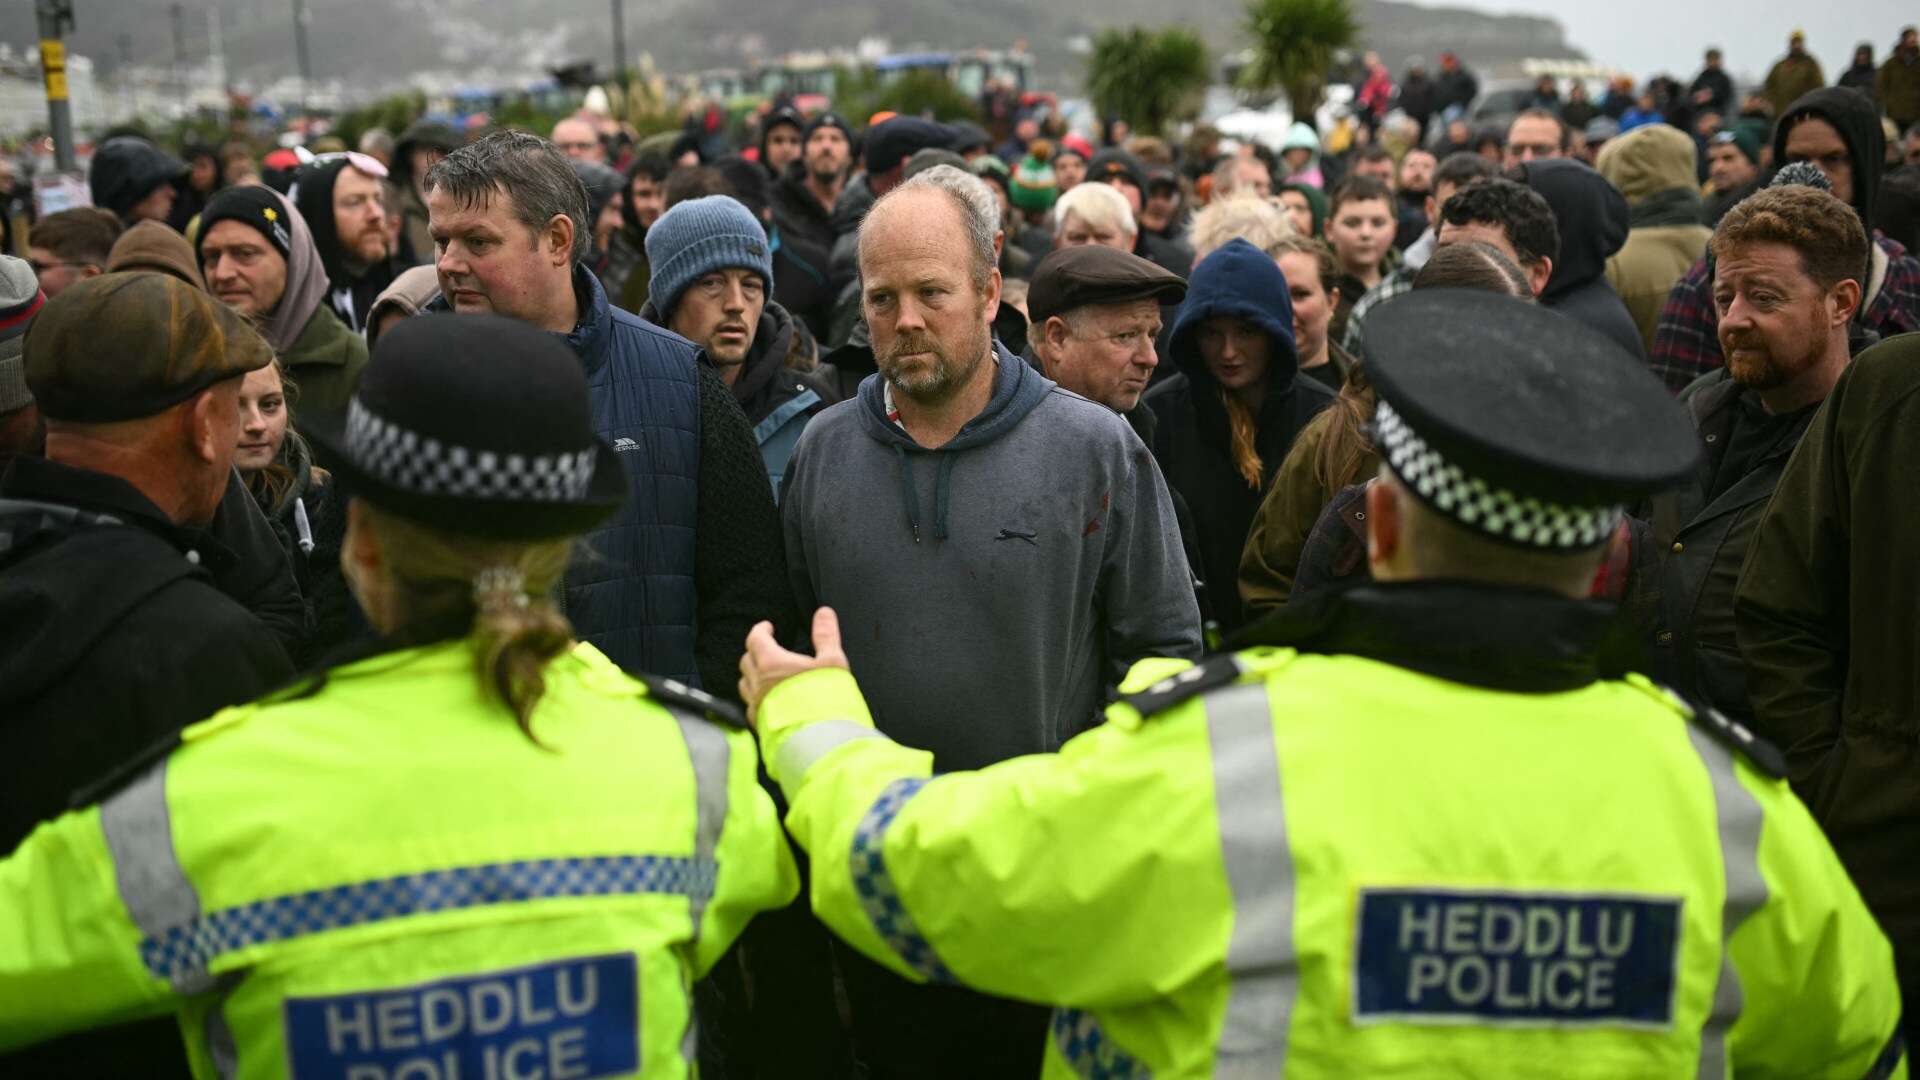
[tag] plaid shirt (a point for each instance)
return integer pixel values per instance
(1401, 280)
(1686, 346)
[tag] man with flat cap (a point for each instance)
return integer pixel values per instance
(113, 631)
(1406, 830)
(1094, 313)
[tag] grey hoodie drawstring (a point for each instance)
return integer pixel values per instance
(301, 526)
(911, 493)
(941, 487)
(908, 492)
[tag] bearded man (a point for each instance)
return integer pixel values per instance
(1788, 267)
(344, 198)
(1001, 548)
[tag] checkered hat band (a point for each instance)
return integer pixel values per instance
(426, 466)
(1484, 507)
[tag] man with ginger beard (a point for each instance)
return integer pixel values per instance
(1789, 263)
(964, 503)
(341, 196)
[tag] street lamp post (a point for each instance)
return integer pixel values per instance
(56, 16)
(619, 38)
(300, 50)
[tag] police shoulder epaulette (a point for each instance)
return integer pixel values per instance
(673, 692)
(1736, 736)
(1214, 671)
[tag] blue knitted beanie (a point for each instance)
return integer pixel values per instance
(699, 236)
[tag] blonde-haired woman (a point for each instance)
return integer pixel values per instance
(477, 849)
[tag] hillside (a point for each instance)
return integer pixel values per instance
(375, 45)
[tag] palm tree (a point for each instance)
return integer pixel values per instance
(1293, 46)
(1150, 78)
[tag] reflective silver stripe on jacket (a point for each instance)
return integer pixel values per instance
(707, 748)
(805, 747)
(1740, 818)
(153, 886)
(1259, 865)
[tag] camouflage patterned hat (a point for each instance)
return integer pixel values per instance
(129, 345)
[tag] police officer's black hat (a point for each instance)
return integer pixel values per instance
(1516, 421)
(475, 424)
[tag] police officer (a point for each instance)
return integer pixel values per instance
(1427, 826)
(483, 851)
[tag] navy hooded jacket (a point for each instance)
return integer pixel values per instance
(1192, 440)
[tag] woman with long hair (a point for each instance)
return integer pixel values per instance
(1228, 418)
(300, 502)
(474, 848)
(1335, 451)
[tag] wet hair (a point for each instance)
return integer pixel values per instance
(1826, 232)
(1260, 222)
(537, 179)
(1473, 265)
(504, 587)
(1516, 209)
(84, 234)
(979, 211)
(1357, 189)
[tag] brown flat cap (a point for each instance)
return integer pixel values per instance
(1091, 274)
(153, 245)
(129, 345)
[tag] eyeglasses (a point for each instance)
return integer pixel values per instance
(583, 144)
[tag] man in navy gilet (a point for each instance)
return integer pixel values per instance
(671, 584)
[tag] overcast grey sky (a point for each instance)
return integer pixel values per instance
(1649, 36)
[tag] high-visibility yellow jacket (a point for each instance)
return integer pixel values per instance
(387, 878)
(1333, 866)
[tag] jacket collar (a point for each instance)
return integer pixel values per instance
(39, 480)
(592, 336)
(1521, 640)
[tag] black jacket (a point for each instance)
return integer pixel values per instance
(112, 635)
(801, 279)
(1191, 438)
(1594, 219)
(311, 524)
(1456, 87)
(1702, 532)
(798, 213)
(1715, 82)
(1419, 97)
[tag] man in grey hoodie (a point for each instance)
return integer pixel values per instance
(999, 549)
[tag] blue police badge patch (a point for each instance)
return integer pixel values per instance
(576, 1019)
(1495, 957)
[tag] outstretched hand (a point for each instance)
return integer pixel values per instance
(766, 664)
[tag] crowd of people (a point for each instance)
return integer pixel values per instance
(1203, 608)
